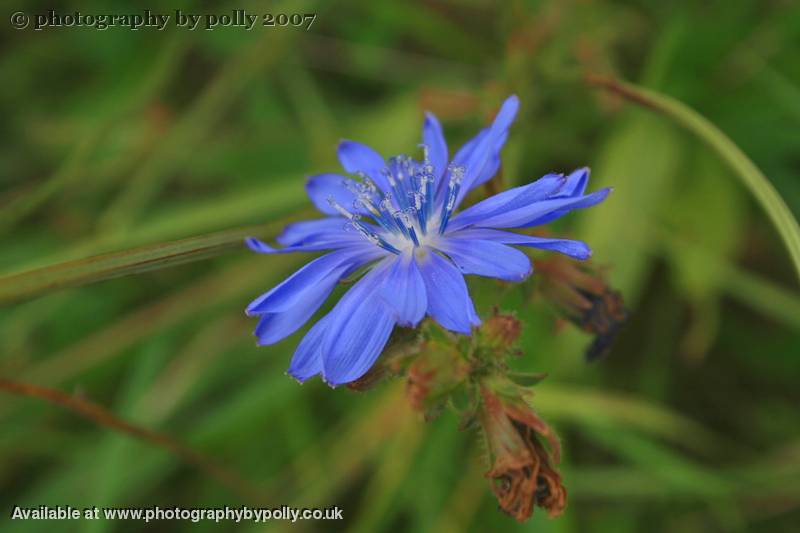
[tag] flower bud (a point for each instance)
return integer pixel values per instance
(435, 373)
(501, 330)
(582, 296)
(521, 471)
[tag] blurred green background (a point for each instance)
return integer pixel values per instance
(115, 139)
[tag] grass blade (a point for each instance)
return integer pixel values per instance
(26, 285)
(751, 176)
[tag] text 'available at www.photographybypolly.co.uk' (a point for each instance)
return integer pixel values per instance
(192, 514)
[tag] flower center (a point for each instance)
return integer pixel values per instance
(412, 213)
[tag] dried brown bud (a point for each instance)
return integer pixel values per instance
(501, 330)
(522, 473)
(581, 294)
(604, 319)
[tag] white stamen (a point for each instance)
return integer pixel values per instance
(344, 212)
(456, 175)
(386, 203)
(425, 153)
(389, 177)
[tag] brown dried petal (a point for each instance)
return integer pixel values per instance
(501, 330)
(522, 474)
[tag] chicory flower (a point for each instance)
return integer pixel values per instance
(397, 220)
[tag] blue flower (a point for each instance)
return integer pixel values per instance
(397, 220)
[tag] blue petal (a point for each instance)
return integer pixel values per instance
(325, 270)
(298, 232)
(489, 171)
(532, 214)
(575, 186)
(576, 182)
(324, 186)
(505, 117)
(474, 319)
(487, 258)
(577, 249)
(360, 326)
(449, 302)
(484, 151)
(289, 305)
(466, 150)
(433, 137)
(261, 247)
(509, 200)
(358, 157)
(548, 210)
(404, 291)
(307, 359)
(312, 235)
(460, 159)
(274, 327)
